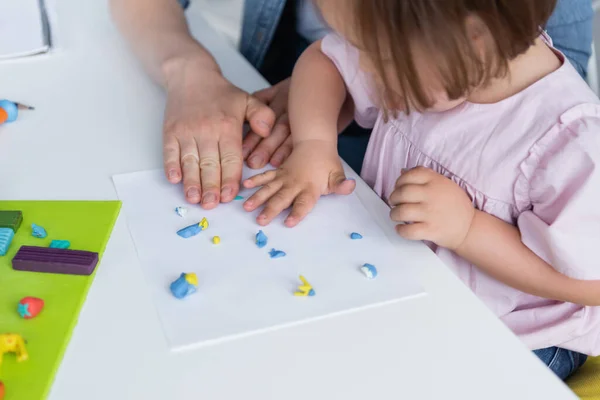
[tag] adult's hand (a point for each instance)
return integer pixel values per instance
(203, 133)
(259, 150)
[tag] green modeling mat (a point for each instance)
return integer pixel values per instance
(87, 225)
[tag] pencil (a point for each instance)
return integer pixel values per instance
(22, 106)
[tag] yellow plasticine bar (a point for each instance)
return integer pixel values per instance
(216, 240)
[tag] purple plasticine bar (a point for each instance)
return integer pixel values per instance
(58, 261)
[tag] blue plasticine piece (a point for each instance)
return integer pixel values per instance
(38, 231)
(276, 253)
(189, 231)
(6, 237)
(311, 292)
(60, 244)
(239, 198)
(181, 211)
(369, 270)
(11, 109)
(355, 236)
(181, 288)
(23, 310)
(261, 239)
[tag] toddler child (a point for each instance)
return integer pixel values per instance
(485, 143)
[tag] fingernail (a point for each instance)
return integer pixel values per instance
(263, 124)
(262, 217)
(193, 193)
(172, 174)
(276, 160)
(256, 160)
(209, 198)
(226, 192)
(245, 151)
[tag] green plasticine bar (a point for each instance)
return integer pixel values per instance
(11, 219)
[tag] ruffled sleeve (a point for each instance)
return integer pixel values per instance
(560, 180)
(345, 57)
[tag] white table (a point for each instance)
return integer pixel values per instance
(97, 115)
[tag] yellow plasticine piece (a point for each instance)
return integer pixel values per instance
(216, 240)
(204, 224)
(13, 343)
(305, 289)
(192, 279)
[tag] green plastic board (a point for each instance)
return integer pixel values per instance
(87, 225)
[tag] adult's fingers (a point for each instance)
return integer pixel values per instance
(416, 231)
(249, 143)
(282, 153)
(210, 170)
(171, 159)
(278, 202)
(408, 212)
(266, 95)
(302, 205)
(230, 151)
(260, 117)
(408, 193)
(191, 170)
(267, 147)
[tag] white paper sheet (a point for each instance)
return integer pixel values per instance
(242, 290)
(24, 28)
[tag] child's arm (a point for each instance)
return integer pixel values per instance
(496, 248)
(553, 252)
(319, 107)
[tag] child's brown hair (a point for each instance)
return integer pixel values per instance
(387, 31)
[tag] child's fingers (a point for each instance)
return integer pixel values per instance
(417, 231)
(408, 212)
(278, 202)
(415, 176)
(262, 195)
(407, 194)
(338, 184)
(260, 179)
(345, 187)
(302, 205)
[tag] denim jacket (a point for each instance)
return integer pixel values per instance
(260, 22)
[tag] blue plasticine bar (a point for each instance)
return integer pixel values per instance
(6, 236)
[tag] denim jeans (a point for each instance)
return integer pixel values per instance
(561, 361)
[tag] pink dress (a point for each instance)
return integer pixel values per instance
(532, 160)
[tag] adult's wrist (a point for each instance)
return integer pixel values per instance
(176, 67)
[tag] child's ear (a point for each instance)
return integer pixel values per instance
(476, 28)
(478, 32)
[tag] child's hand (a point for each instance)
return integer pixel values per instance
(438, 209)
(312, 170)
